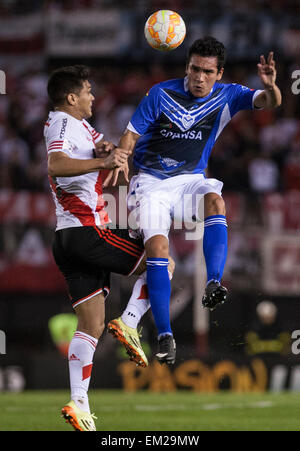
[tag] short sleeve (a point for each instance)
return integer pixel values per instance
(64, 145)
(95, 134)
(146, 113)
(57, 137)
(241, 98)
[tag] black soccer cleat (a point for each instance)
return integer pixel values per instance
(166, 352)
(214, 295)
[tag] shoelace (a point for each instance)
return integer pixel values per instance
(139, 332)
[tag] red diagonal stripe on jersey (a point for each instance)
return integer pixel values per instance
(114, 243)
(98, 189)
(72, 203)
(103, 215)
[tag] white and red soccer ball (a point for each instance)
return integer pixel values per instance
(165, 30)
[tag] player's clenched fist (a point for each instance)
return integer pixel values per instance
(116, 158)
(103, 148)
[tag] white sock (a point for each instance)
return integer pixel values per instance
(138, 304)
(80, 354)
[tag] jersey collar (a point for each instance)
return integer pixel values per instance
(68, 114)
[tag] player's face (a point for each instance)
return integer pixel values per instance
(85, 100)
(202, 73)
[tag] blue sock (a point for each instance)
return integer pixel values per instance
(215, 246)
(159, 290)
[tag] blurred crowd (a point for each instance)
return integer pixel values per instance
(257, 152)
(11, 7)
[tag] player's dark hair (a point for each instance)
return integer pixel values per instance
(66, 80)
(208, 46)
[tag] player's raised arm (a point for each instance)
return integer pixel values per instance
(128, 142)
(271, 96)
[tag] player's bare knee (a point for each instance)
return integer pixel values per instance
(157, 247)
(214, 205)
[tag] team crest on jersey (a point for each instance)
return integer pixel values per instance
(67, 145)
(186, 114)
(187, 121)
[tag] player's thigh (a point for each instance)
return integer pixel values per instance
(84, 280)
(150, 205)
(123, 250)
(194, 194)
(95, 249)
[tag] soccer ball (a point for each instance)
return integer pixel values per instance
(165, 30)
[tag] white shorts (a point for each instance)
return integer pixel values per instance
(154, 203)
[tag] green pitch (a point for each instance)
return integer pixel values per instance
(145, 411)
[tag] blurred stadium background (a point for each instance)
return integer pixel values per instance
(237, 347)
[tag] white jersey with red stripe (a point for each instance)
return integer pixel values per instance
(78, 200)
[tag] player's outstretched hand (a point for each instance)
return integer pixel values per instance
(112, 176)
(116, 158)
(267, 71)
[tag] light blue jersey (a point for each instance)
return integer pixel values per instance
(178, 130)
